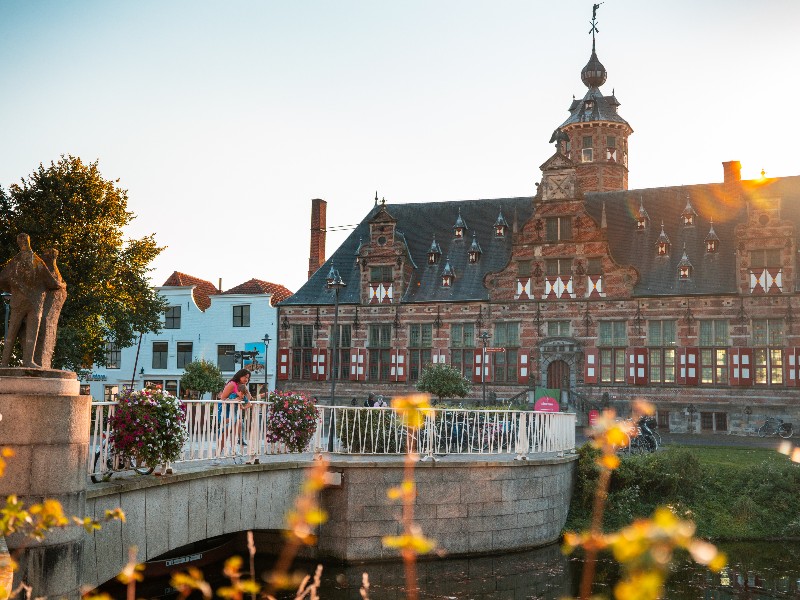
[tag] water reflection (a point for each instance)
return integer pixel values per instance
(757, 571)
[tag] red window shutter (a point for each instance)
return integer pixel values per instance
(636, 366)
(362, 364)
(354, 364)
(523, 367)
(591, 365)
(477, 364)
(398, 365)
(283, 363)
(322, 364)
(791, 356)
(314, 360)
(688, 360)
(741, 366)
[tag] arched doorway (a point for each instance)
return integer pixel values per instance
(558, 375)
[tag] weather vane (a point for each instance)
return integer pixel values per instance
(594, 28)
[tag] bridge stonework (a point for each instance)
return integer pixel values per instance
(468, 506)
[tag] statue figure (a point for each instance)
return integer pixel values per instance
(53, 302)
(28, 279)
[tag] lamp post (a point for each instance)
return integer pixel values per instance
(484, 337)
(334, 282)
(6, 296)
(266, 340)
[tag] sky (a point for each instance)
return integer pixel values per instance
(223, 120)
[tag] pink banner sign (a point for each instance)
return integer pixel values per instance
(547, 404)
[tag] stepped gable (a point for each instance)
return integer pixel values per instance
(713, 273)
(202, 291)
(257, 286)
(418, 224)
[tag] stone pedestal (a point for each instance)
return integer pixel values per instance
(46, 423)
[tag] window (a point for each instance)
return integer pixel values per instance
(343, 344)
(419, 344)
(558, 228)
(110, 393)
(226, 362)
(713, 342)
(506, 335)
(171, 386)
(380, 274)
(558, 329)
(462, 347)
(765, 258)
(113, 356)
(302, 343)
(663, 419)
(587, 154)
(611, 141)
(524, 268)
(661, 340)
(184, 354)
(594, 266)
(241, 315)
(568, 148)
(612, 340)
(558, 266)
(611, 148)
(160, 355)
(379, 359)
(768, 341)
(172, 318)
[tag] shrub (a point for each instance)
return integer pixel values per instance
(148, 426)
(292, 420)
(370, 431)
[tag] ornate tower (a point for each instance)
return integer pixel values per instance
(594, 136)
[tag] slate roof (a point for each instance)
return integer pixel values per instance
(604, 108)
(257, 286)
(417, 225)
(713, 273)
(201, 292)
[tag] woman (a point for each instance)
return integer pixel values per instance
(228, 412)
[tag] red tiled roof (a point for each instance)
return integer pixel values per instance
(203, 289)
(256, 286)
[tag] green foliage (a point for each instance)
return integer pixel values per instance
(730, 493)
(370, 431)
(443, 381)
(202, 376)
(71, 207)
(148, 425)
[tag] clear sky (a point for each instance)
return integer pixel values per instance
(224, 119)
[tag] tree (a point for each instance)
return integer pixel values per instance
(443, 381)
(71, 207)
(202, 376)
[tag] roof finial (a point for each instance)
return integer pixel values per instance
(594, 28)
(376, 197)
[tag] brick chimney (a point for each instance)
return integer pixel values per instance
(732, 170)
(318, 226)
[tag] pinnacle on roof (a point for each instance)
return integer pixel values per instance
(712, 235)
(460, 224)
(663, 238)
(500, 222)
(684, 262)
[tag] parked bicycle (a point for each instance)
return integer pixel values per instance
(114, 462)
(774, 426)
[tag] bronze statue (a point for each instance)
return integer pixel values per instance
(29, 280)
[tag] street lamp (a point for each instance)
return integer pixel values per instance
(334, 282)
(266, 340)
(484, 337)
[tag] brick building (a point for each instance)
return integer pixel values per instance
(683, 295)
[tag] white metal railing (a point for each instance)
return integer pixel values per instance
(218, 430)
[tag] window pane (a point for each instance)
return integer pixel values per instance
(654, 333)
(552, 229)
(427, 335)
(414, 335)
(184, 354)
(566, 228)
(524, 268)
(456, 335)
(620, 333)
(469, 335)
(668, 329)
(604, 333)
(160, 355)
(706, 333)
(241, 316)
(172, 318)
(225, 362)
(759, 332)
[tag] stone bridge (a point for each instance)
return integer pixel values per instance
(469, 505)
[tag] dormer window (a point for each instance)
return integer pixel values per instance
(448, 274)
(587, 152)
(588, 105)
(500, 225)
(712, 241)
(663, 244)
(684, 267)
(643, 218)
(434, 253)
(611, 148)
(460, 227)
(475, 251)
(688, 215)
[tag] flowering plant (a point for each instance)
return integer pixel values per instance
(148, 425)
(292, 420)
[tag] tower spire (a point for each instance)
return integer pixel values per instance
(594, 28)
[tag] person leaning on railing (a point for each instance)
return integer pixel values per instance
(235, 389)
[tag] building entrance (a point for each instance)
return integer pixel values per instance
(558, 375)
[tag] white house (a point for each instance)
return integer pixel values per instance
(201, 322)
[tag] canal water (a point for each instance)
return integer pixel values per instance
(757, 570)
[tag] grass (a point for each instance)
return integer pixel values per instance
(717, 456)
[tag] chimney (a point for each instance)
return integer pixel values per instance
(318, 227)
(219, 285)
(732, 170)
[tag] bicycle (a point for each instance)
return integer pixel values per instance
(775, 426)
(114, 462)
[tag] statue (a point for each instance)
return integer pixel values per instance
(53, 302)
(29, 280)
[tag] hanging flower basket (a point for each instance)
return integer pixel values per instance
(292, 420)
(148, 426)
